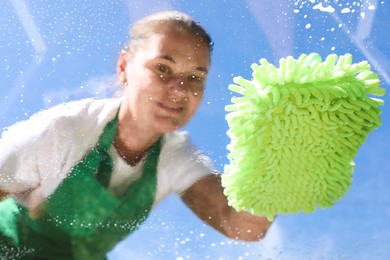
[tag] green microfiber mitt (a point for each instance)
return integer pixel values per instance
(295, 130)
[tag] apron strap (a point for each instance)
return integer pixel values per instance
(106, 164)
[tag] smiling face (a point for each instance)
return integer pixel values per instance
(165, 76)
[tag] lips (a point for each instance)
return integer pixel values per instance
(171, 109)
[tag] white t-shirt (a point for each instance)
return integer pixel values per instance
(37, 154)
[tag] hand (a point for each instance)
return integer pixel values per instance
(36, 213)
(3, 195)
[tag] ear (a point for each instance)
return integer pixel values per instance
(121, 67)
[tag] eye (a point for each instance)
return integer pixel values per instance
(195, 79)
(196, 84)
(163, 68)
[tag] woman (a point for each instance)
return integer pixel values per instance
(85, 174)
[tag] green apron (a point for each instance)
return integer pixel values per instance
(83, 219)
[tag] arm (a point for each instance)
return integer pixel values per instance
(37, 154)
(207, 200)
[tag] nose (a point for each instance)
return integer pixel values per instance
(177, 89)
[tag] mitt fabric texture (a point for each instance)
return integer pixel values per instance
(295, 131)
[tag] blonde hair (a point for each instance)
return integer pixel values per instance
(143, 28)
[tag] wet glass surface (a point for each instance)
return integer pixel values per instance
(56, 51)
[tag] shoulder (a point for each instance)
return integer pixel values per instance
(71, 115)
(179, 143)
(181, 162)
(176, 145)
(176, 139)
(90, 109)
(75, 120)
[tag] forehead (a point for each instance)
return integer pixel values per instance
(174, 40)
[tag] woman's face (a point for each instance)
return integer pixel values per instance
(166, 76)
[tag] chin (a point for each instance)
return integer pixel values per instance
(169, 126)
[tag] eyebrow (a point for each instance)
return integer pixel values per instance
(171, 59)
(201, 69)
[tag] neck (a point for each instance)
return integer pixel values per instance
(132, 141)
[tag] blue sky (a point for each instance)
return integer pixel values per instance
(55, 51)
